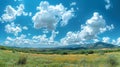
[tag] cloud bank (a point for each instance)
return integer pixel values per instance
(35, 41)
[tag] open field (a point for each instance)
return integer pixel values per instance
(11, 59)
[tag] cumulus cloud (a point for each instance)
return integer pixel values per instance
(108, 4)
(92, 28)
(44, 40)
(71, 38)
(73, 4)
(106, 39)
(17, 0)
(107, 28)
(11, 13)
(36, 41)
(30, 13)
(96, 40)
(53, 36)
(12, 28)
(25, 28)
(66, 17)
(20, 9)
(116, 41)
(18, 41)
(41, 39)
(109, 40)
(50, 15)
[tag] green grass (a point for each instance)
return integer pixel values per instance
(10, 59)
(60, 51)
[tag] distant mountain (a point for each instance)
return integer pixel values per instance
(73, 47)
(102, 45)
(97, 45)
(89, 46)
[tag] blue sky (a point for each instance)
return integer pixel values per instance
(61, 22)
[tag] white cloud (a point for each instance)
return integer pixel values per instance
(73, 4)
(106, 39)
(107, 28)
(21, 40)
(36, 41)
(113, 42)
(17, 0)
(90, 31)
(108, 4)
(9, 38)
(49, 16)
(41, 39)
(96, 40)
(29, 34)
(20, 9)
(93, 27)
(110, 27)
(116, 42)
(11, 13)
(66, 17)
(12, 28)
(25, 14)
(53, 36)
(30, 13)
(45, 31)
(71, 38)
(110, 41)
(25, 28)
(6, 42)
(1, 20)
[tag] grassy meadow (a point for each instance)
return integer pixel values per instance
(19, 59)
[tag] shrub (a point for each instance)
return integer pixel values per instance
(83, 62)
(86, 53)
(112, 61)
(90, 52)
(13, 51)
(64, 53)
(3, 48)
(2, 64)
(82, 52)
(22, 60)
(101, 52)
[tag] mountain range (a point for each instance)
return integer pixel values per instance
(97, 45)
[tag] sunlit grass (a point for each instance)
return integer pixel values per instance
(9, 59)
